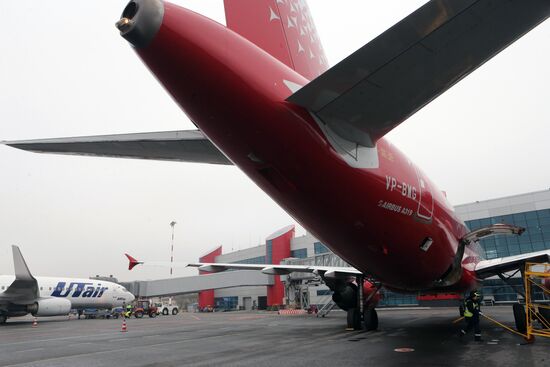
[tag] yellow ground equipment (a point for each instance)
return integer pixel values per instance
(537, 315)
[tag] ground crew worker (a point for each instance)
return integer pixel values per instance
(471, 315)
(128, 312)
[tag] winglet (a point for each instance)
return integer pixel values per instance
(133, 262)
(22, 271)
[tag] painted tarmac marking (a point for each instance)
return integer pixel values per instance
(195, 317)
(404, 350)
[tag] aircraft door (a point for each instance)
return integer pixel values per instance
(426, 201)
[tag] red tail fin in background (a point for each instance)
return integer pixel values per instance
(283, 28)
(133, 262)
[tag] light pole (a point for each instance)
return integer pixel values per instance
(172, 224)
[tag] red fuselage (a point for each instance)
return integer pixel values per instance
(374, 218)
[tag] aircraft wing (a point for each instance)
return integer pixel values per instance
(185, 146)
(271, 269)
(24, 289)
(383, 83)
(488, 268)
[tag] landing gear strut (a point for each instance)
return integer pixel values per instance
(3, 319)
(363, 312)
(354, 319)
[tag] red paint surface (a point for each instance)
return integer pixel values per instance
(438, 296)
(206, 298)
(234, 92)
(368, 289)
(284, 29)
(281, 250)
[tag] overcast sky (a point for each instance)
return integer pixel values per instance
(65, 71)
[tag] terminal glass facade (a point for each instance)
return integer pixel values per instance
(299, 254)
(253, 260)
(535, 238)
(269, 252)
(319, 248)
(227, 303)
(390, 298)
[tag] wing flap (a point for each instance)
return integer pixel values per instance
(184, 146)
(383, 83)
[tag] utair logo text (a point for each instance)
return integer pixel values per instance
(84, 290)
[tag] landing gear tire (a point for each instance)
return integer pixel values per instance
(3, 319)
(354, 319)
(370, 317)
(519, 318)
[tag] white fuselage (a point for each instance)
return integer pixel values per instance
(82, 293)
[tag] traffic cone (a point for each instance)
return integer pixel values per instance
(35, 323)
(124, 328)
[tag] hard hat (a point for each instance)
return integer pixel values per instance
(475, 293)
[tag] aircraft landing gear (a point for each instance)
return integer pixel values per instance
(364, 316)
(519, 317)
(354, 319)
(370, 318)
(3, 319)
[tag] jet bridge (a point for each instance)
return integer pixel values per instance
(194, 284)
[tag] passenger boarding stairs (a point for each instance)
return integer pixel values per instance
(327, 307)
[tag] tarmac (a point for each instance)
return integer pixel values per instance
(427, 337)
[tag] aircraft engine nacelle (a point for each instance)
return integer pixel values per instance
(50, 307)
(345, 294)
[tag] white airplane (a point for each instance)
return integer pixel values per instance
(52, 296)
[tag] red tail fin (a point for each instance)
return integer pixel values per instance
(283, 28)
(133, 262)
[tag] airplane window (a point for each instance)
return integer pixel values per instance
(3, 287)
(50, 288)
(40, 288)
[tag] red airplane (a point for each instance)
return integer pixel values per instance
(312, 137)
